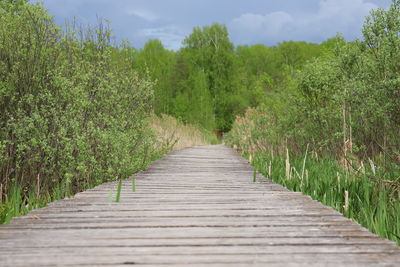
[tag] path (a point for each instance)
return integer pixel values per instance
(195, 207)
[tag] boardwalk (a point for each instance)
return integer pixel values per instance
(195, 207)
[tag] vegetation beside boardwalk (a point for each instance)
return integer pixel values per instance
(78, 109)
(74, 111)
(333, 130)
(176, 135)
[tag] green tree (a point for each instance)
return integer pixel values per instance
(201, 109)
(157, 62)
(210, 51)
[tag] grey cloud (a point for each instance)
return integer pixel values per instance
(170, 36)
(344, 16)
(255, 27)
(143, 14)
(249, 21)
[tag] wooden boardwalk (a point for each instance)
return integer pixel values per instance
(195, 207)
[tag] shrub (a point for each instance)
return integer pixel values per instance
(73, 110)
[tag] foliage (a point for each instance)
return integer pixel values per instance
(210, 52)
(209, 82)
(74, 110)
(78, 111)
(343, 103)
(375, 204)
(342, 107)
(156, 62)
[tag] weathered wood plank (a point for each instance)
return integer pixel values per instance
(195, 207)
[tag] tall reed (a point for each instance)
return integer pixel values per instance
(361, 195)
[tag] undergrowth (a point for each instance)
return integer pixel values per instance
(172, 132)
(75, 113)
(358, 194)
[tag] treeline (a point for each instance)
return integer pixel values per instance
(73, 109)
(209, 81)
(344, 103)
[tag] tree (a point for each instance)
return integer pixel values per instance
(210, 51)
(157, 62)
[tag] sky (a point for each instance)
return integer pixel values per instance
(249, 22)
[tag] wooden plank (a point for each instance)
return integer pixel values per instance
(195, 207)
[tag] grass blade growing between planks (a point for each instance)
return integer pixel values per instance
(118, 196)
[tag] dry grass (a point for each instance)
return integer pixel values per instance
(176, 134)
(241, 135)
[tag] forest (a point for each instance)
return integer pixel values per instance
(209, 81)
(323, 118)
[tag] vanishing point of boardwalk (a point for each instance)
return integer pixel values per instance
(195, 207)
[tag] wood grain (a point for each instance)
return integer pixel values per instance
(195, 207)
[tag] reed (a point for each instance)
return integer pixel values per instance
(346, 202)
(119, 187)
(177, 135)
(369, 196)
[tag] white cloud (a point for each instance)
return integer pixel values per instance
(262, 21)
(143, 14)
(170, 36)
(345, 16)
(254, 27)
(272, 23)
(69, 7)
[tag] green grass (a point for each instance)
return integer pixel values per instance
(18, 203)
(373, 199)
(118, 196)
(210, 137)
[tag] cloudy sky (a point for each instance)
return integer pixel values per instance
(249, 21)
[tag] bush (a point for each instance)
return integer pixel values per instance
(74, 111)
(346, 102)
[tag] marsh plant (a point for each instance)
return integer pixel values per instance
(369, 196)
(332, 129)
